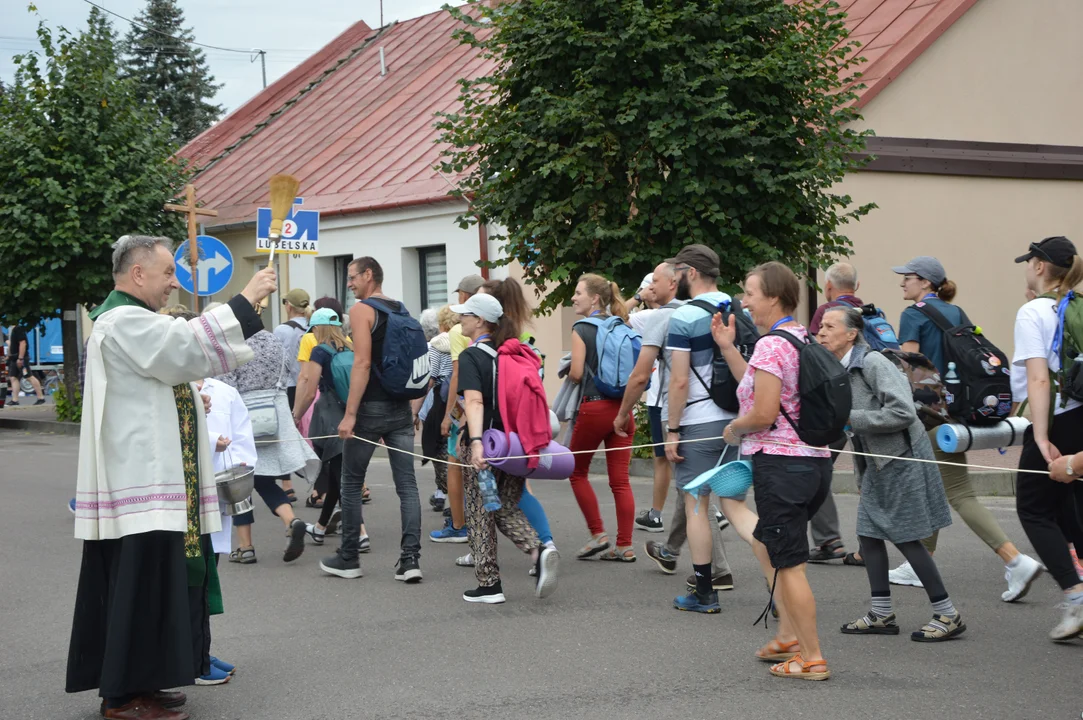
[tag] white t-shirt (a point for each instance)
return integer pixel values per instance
(1035, 327)
(638, 320)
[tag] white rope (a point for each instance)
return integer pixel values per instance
(677, 442)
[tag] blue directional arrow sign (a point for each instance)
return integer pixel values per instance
(300, 231)
(215, 265)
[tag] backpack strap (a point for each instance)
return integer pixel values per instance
(491, 352)
(798, 345)
(938, 317)
(293, 324)
(711, 310)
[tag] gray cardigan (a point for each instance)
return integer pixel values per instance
(883, 414)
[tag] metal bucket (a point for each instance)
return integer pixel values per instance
(235, 486)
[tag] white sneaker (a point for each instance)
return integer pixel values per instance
(1071, 624)
(904, 575)
(1020, 578)
(533, 572)
(466, 560)
(548, 562)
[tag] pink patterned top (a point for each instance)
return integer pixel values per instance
(777, 356)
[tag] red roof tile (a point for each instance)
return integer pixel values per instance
(360, 141)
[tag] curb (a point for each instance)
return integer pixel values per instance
(52, 427)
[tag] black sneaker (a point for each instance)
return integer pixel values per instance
(644, 521)
(723, 523)
(492, 595)
(656, 551)
(333, 523)
(408, 571)
(295, 540)
(335, 565)
(40, 402)
(718, 582)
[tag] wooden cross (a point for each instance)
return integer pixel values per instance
(190, 209)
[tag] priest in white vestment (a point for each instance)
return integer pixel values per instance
(146, 500)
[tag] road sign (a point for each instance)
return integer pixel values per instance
(300, 231)
(215, 265)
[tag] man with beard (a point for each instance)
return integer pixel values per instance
(690, 416)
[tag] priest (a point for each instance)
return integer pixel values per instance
(146, 498)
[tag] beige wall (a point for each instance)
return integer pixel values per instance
(975, 226)
(1007, 71)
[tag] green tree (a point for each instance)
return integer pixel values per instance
(83, 163)
(170, 71)
(613, 132)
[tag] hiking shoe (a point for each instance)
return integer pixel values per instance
(333, 523)
(546, 572)
(666, 561)
(408, 571)
(295, 540)
(644, 521)
(316, 535)
(1020, 578)
(1071, 623)
(216, 676)
(692, 602)
(437, 503)
(718, 582)
(904, 575)
(941, 627)
(466, 560)
(870, 624)
(448, 534)
(335, 565)
(492, 595)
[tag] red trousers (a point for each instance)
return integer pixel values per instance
(594, 426)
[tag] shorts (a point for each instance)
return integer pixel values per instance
(789, 490)
(699, 457)
(14, 371)
(658, 433)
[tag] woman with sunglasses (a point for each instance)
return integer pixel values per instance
(925, 283)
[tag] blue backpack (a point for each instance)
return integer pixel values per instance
(617, 347)
(341, 367)
(878, 331)
(403, 370)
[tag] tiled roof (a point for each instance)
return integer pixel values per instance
(360, 141)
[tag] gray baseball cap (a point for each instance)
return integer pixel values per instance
(471, 284)
(925, 267)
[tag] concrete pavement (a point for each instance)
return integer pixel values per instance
(607, 644)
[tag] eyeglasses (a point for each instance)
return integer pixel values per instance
(911, 277)
(350, 278)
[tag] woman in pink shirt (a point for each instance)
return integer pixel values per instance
(790, 479)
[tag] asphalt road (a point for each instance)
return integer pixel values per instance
(607, 644)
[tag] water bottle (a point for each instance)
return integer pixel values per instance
(489, 497)
(951, 384)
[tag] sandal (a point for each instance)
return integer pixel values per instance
(592, 548)
(870, 625)
(313, 501)
(366, 498)
(805, 673)
(776, 651)
(941, 627)
(627, 555)
(828, 551)
(853, 559)
(244, 556)
(291, 495)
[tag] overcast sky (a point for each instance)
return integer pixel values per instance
(289, 31)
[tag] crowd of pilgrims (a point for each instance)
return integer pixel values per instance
(316, 399)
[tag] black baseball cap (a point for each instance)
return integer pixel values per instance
(1058, 250)
(700, 257)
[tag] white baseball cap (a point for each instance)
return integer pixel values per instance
(646, 281)
(482, 305)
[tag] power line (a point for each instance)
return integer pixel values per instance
(171, 37)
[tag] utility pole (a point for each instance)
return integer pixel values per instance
(381, 14)
(262, 55)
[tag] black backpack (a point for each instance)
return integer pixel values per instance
(982, 394)
(824, 387)
(722, 389)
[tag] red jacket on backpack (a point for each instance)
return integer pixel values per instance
(524, 408)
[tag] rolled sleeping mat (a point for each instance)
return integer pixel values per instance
(555, 462)
(731, 480)
(958, 438)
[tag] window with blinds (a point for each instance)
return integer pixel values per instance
(433, 273)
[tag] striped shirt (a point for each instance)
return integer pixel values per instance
(690, 331)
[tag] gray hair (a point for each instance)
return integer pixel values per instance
(127, 249)
(430, 323)
(843, 276)
(852, 319)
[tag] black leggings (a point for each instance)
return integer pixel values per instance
(1050, 511)
(333, 468)
(874, 553)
